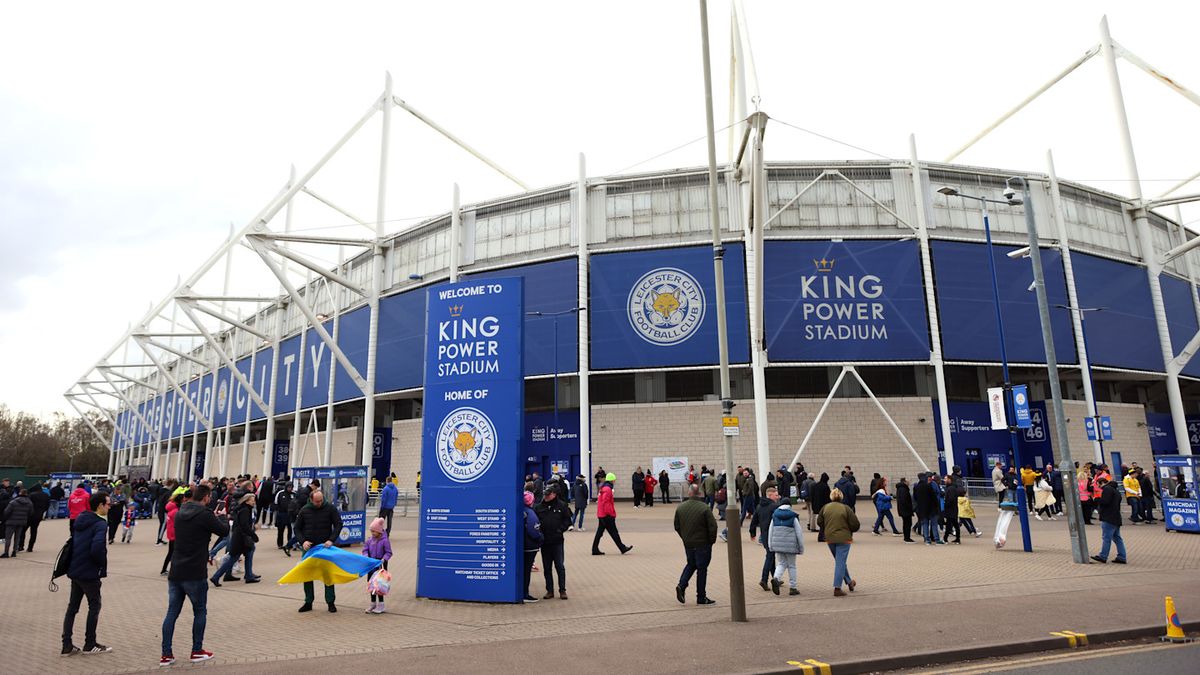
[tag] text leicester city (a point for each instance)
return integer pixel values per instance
(844, 314)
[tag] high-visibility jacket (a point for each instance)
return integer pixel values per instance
(1132, 487)
(1097, 489)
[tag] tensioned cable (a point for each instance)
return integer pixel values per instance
(834, 140)
(678, 147)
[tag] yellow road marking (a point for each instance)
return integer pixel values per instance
(994, 666)
(1071, 639)
(812, 667)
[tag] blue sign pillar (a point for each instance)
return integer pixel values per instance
(472, 518)
(279, 458)
(381, 453)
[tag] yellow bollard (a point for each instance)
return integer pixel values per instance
(1174, 625)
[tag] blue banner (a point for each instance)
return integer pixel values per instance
(381, 453)
(279, 458)
(1181, 317)
(658, 308)
(1020, 402)
(346, 488)
(967, 307)
(1124, 335)
(1181, 515)
(198, 469)
(551, 443)
(471, 530)
(844, 301)
(550, 288)
(971, 430)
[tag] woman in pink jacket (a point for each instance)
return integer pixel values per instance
(172, 508)
(606, 513)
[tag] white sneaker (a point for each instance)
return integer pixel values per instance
(378, 609)
(570, 528)
(371, 609)
(1038, 516)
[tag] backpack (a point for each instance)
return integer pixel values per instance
(62, 563)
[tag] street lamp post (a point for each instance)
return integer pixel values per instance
(1022, 510)
(1083, 332)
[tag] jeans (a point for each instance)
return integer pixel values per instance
(840, 572)
(747, 507)
(607, 524)
(697, 563)
(212, 553)
(52, 512)
(786, 561)
(79, 589)
(12, 537)
(967, 523)
(1135, 507)
(710, 500)
(552, 559)
(929, 529)
(577, 517)
(386, 514)
(1111, 533)
(768, 563)
(226, 567)
(879, 521)
(197, 594)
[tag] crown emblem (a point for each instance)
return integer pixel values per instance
(824, 265)
(456, 310)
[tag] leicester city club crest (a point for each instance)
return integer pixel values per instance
(666, 306)
(222, 396)
(466, 444)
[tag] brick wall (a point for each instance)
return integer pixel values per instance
(1129, 439)
(853, 431)
(406, 452)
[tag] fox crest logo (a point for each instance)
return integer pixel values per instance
(666, 306)
(466, 444)
(222, 396)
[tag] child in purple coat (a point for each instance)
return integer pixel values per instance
(377, 546)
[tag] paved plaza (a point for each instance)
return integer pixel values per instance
(622, 611)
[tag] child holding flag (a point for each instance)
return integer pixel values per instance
(378, 547)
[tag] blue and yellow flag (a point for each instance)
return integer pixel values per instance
(330, 565)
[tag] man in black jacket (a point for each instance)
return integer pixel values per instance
(284, 500)
(89, 564)
(318, 523)
(555, 518)
(194, 525)
(1110, 521)
(761, 521)
(925, 499)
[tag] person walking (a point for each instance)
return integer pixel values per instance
(1083, 480)
(1148, 495)
(264, 500)
(950, 510)
(172, 510)
(387, 504)
(1109, 505)
(89, 564)
(581, 496)
(285, 509)
(1028, 481)
(786, 541)
(555, 518)
(821, 495)
(883, 507)
(533, 540)
(16, 519)
(606, 513)
(377, 546)
(904, 506)
(77, 504)
(190, 526)
(116, 512)
(1055, 479)
(242, 541)
(318, 524)
(748, 493)
(839, 523)
(966, 515)
(41, 510)
(849, 489)
(1043, 498)
(696, 527)
(57, 495)
(664, 486)
(161, 499)
(761, 521)
(708, 485)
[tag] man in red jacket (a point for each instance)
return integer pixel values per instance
(606, 513)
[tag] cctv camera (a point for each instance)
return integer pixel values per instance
(1010, 196)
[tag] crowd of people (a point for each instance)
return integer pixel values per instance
(233, 511)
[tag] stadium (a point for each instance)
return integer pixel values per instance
(862, 323)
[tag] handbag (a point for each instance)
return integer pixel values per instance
(380, 582)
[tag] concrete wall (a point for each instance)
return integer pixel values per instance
(344, 451)
(853, 431)
(406, 452)
(1130, 437)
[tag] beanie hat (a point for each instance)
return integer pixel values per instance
(528, 498)
(611, 478)
(377, 525)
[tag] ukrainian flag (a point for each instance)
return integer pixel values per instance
(330, 565)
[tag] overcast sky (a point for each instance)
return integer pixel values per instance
(132, 136)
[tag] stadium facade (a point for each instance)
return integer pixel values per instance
(848, 283)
